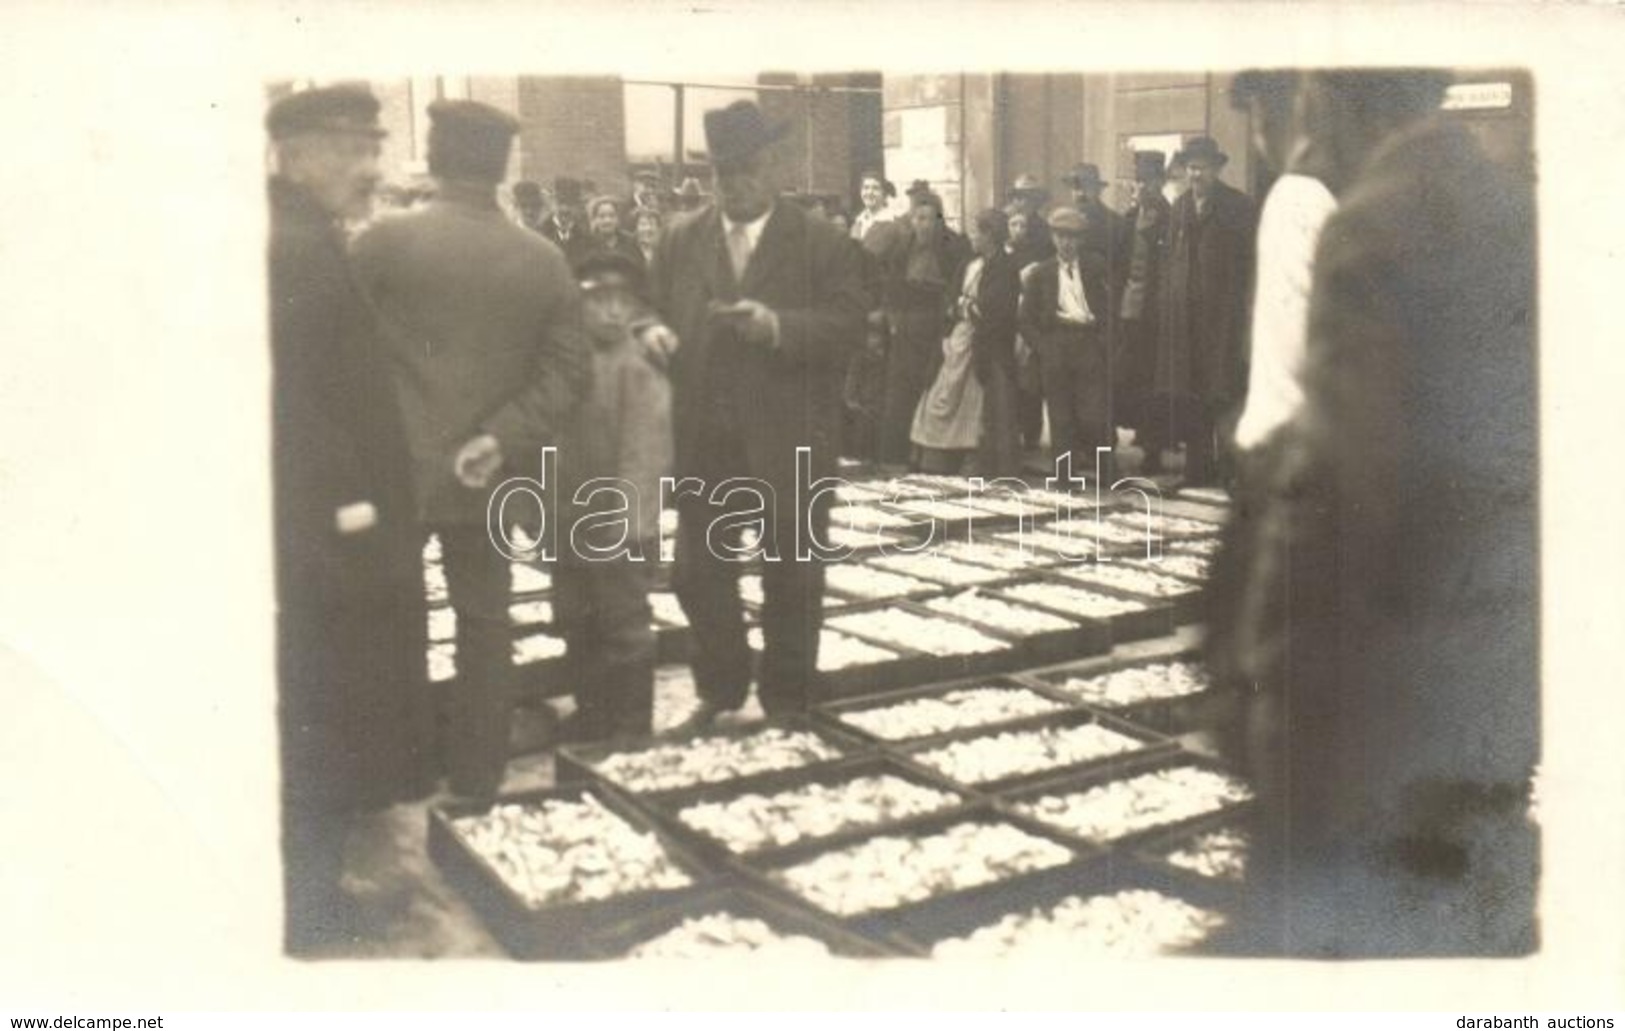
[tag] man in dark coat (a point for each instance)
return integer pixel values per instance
(1140, 309)
(352, 695)
(767, 302)
(1108, 233)
(1201, 374)
(529, 204)
(483, 319)
(1066, 315)
(1408, 727)
(567, 228)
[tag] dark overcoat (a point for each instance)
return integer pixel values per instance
(786, 397)
(350, 606)
(1207, 298)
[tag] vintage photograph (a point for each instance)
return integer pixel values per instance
(958, 515)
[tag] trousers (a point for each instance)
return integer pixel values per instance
(602, 610)
(478, 586)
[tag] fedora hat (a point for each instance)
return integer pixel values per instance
(1149, 164)
(1083, 174)
(737, 132)
(1203, 148)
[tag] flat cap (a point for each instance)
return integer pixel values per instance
(349, 108)
(1068, 221)
(469, 140)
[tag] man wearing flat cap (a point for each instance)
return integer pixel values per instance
(1067, 317)
(767, 302)
(1201, 375)
(352, 695)
(645, 197)
(483, 318)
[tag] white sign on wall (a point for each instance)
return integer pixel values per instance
(1478, 96)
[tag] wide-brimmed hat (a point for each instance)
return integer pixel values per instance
(469, 140)
(1067, 222)
(348, 108)
(737, 132)
(1083, 174)
(1203, 148)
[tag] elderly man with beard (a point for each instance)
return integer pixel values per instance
(352, 693)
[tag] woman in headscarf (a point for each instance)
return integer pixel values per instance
(970, 406)
(918, 269)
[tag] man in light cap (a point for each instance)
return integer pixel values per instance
(352, 698)
(1066, 315)
(766, 300)
(483, 319)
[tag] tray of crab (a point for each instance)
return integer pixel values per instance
(941, 646)
(547, 869)
(1168, 692)
(1128, 617)
(949, 876)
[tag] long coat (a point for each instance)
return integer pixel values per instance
(1395, 571)
(808, 273)
(1207, 298)
(351, 699)
(483, 322)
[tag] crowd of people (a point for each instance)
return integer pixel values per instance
(1326, 359)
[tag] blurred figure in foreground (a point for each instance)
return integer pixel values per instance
(1392, 714)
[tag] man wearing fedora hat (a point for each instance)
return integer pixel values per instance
(566, 229)
(484, 326)
(1140, 308)
(1030, 197)
(352, 707)
(1201, 374)
(767, 301)
(1108, 231)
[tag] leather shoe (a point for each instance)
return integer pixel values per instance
(702, 720)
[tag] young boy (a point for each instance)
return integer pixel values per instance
(608, 548)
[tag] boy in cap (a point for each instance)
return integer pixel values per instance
(485, 333)
(616, 449)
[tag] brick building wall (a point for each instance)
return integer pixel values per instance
(573, 126)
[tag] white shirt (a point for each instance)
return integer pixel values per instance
(1071, 304)
(753, 231)
(867, 220)
(1288, 231)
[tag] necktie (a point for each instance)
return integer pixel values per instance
(738, 251)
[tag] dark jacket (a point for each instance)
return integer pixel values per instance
(337, 434)
(483, 321)
(1207, 298)
(807, 272)
(1042, 290)
(576, 247)
(1148, 230)
(997, 300)
(624, 244)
